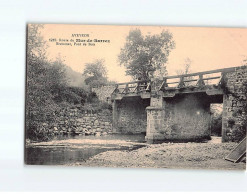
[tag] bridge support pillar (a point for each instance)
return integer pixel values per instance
(155, 116)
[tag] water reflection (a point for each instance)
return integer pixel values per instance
(70, 149)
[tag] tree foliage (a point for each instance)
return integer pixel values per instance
(96, 73)
(47, 89)
(216, 119)
(186, 67)
(142, 55)
(44, 79)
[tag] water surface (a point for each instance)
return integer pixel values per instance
(70, 149)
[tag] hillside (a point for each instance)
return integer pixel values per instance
(75, 79)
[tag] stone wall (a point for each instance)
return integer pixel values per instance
(234, 105)
(187, 117)
(76, 121)
(183, 117)
(130, 115)
(104, 92)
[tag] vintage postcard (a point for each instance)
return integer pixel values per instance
(136, 96)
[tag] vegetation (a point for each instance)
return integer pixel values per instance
(144, 55)
(42, 79)
(96, 73)
(49, 89)
(216, 120)
(186, 67)
(186, 70)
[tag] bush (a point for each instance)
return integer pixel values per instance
(216, 125)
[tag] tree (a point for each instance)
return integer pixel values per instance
(186, 70)
(142, 55)
(43, 79)
(186, 67)
(96, 73)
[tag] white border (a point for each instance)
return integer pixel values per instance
(14, 15)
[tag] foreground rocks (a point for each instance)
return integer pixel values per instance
(169, 155)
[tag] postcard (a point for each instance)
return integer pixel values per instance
(136, 96)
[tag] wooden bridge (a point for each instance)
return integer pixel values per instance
(210, 82)
(178, 107)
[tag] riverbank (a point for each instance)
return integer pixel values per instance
(168, 155)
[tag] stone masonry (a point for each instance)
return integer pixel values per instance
(85, 122)
(234, 103)
(129, 115)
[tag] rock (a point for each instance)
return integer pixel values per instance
(99, 129)
(96, 122)
(84, 130)
(104, 133)
(87, 133)
(81, 120)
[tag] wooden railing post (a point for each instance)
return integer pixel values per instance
(181, 82)
(138, 87)
(200, 81)
(126, 89)
(163, 85)
(148, 87)
(222, 79)
(116, 89)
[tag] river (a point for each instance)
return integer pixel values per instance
(70, 149)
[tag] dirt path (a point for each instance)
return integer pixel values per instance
(169, 155)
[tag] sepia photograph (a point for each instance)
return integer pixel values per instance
(136, 96)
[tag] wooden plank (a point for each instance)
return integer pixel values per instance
(224, 70)
(132, 82)
(238, 152)
(203, 73)
(210, 78)
(214, 92)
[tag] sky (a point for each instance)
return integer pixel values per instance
(207, 48)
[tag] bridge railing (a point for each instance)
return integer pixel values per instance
(198, 79)
(133, 87)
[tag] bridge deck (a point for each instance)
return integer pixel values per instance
(210, 82)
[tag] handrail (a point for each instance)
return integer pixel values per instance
(186, 75)
(203, 73)
(132, 82)
(181, 82)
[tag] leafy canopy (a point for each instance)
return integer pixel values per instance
(142, 55)
(96, 73)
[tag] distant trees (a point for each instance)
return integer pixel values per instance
(185, 70)
(186, 67)
(142, 55)
(95, 73)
